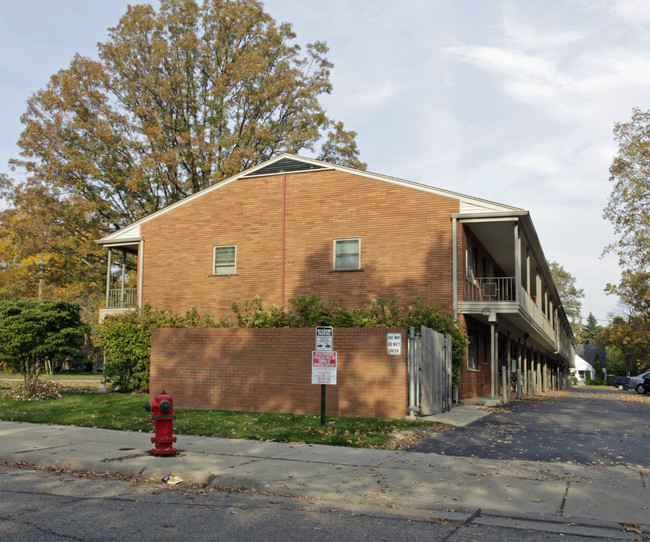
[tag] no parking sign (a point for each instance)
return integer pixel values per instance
(323, 367)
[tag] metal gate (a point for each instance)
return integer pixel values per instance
(429, 374)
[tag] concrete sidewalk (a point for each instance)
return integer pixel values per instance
(562, 492)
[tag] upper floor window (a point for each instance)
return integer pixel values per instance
(225, 260)
(347, 254)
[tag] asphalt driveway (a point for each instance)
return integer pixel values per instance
(587, 426)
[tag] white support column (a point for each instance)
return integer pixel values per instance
(494, 357)
(123, 278)
(519, 394)
(140, 271)
(108, 276)
(518, 281)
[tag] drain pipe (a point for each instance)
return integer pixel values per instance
(284, 233)
(414, 373)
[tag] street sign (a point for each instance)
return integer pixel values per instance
(323, 368)
(394, 344)
(324, 339)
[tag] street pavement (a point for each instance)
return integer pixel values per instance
(587, 426)
(583, 499)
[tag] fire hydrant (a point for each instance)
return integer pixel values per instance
(162, 414)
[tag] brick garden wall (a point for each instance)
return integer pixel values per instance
(269, 370)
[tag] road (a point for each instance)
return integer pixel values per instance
(48, 506)
(586, 426)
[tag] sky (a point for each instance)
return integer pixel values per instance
(510, 101)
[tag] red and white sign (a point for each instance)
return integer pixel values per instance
(323, 367)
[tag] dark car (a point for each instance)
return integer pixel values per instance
(646, 384)
(622, 382)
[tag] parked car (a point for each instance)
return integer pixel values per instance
(622, 382)
(636, 382)
(646, 384)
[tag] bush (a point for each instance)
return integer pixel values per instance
(126, 340)
(39, 391)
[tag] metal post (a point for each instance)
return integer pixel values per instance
(322, 404)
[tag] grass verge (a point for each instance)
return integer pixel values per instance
(126, 413)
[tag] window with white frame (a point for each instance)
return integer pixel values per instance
(347, 254)
(225, 260)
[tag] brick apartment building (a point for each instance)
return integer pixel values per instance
(294, 226)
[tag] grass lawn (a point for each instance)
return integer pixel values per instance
(125, 412)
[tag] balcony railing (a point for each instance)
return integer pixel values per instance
(122, 298)
(490, 289)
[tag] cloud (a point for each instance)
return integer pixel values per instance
(543, 164)
(635, 12)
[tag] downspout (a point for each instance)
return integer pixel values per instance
(454, 265)
(284, 232)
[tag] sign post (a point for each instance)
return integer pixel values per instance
(323, 364)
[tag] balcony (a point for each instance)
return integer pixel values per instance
(119, 301)
(122, 298)
(503, 297)
(490, 289)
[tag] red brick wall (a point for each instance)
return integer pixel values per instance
(269, 370)
(406, 243)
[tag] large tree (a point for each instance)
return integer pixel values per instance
(628, 209)
(630, 336)
(590, 332)
(177, 100)
(570, 295)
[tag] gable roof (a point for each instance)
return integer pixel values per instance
(291, 163)
(582, 365)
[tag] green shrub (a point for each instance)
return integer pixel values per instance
(126, 340)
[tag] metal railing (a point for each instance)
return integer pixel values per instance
(122, 298)
(504, 289)
(490, 289)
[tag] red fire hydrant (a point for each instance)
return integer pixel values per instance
(162, 414)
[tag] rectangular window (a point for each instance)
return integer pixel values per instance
(472, 348)
(225, 258)
(347, 253)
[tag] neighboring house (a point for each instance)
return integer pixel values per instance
(594, 354)
(581, 369)
(294, 226)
